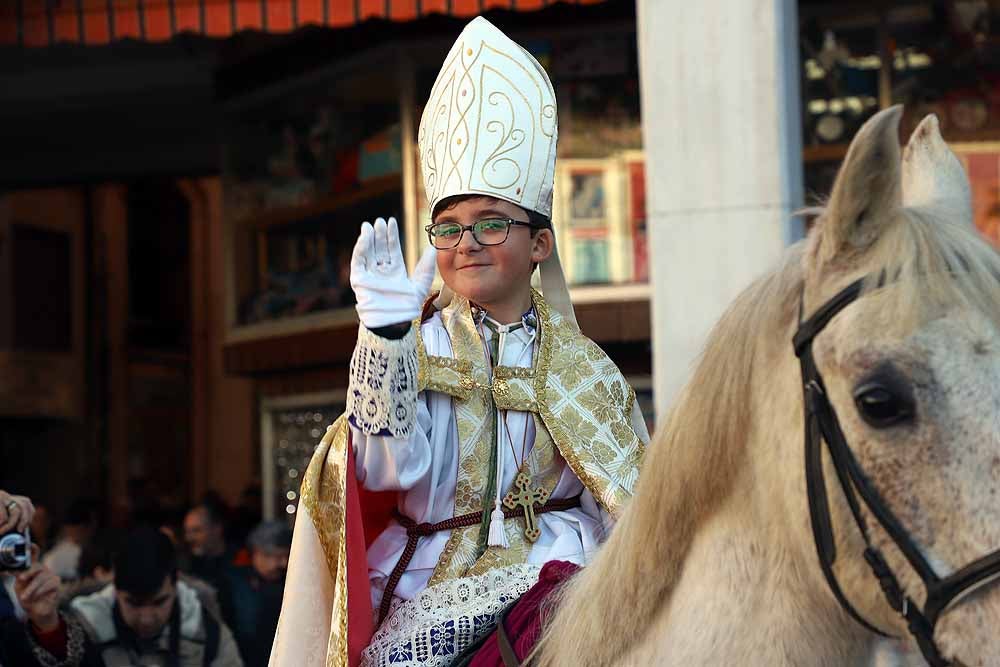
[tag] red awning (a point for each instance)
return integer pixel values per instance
(35, 23)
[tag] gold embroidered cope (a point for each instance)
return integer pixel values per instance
(581, 406)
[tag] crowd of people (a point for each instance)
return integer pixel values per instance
(200, 588)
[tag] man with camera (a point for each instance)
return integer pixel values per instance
(15, 542)
(145, 617)
(15, 550)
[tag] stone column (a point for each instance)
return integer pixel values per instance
(723, 141)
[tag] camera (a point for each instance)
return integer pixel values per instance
(15, 550)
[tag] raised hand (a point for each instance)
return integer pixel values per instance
(37, 592)
(386, 294)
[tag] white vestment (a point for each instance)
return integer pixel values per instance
(424, 467)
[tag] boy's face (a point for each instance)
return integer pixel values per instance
(488, 275)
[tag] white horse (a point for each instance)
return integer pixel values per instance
(715, 561)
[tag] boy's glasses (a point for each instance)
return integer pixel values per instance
(488, 231)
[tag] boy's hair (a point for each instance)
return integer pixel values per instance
(144, 560)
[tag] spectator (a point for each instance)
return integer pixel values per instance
(145, 617)
(257, 590)
(16, 513)
(205, 534)
(78, 527)
(211, 561)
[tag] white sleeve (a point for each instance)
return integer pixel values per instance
(388, 463)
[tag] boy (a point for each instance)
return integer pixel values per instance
(508, 438)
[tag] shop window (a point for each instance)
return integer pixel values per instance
(946, 61)
(290, 429)
(933, 58)
(305, 165)
(599, 209)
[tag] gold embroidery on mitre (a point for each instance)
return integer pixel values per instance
(490, 124)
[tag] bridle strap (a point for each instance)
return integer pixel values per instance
(822, 426)
(819, 511)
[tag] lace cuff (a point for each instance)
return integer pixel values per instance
(382, 391)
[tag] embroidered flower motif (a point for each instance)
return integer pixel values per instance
(617, 394)
(400, 653)
(601, 403)
(443, 639)
(594, 353)
(580, 428)
(622, 431)
(574, 368)
(481, 622)
(602, 452)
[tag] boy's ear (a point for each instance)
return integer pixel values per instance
(543, 243)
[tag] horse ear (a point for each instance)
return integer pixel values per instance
(867, 188)
(933, 177)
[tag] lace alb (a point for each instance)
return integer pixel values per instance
(441, 621)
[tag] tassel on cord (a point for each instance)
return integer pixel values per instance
(497, 538)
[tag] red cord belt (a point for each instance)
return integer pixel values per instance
(414, 531)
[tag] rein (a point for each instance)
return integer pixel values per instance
(823, 427)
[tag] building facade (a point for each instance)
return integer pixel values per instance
(183, 183)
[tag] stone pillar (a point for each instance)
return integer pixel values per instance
(723, 141)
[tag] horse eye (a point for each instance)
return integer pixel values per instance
(881, 406)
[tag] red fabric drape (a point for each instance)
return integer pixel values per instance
(368, 514)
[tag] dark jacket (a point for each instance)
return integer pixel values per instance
(257, 606)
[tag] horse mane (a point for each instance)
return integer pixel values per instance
(606, 608)
(933, 264)
(691, 466)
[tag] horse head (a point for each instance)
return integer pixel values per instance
(715, 559)
(912, 371)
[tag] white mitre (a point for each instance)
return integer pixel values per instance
(490, 128)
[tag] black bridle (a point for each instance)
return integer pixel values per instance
(821, 425)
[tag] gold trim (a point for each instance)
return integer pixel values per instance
(513, 372)
(500, 388)
(582, 408)
(324, 494)
(611, 499)
(475, 421)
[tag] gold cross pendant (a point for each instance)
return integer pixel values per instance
(524, 497)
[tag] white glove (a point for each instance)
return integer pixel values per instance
(385, 294)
